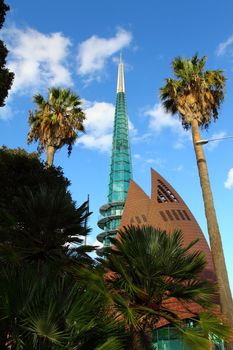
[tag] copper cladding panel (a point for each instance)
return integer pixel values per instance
(140, 209)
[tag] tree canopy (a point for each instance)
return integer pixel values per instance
(147, 273)
(19, 169)
(56, 121)
(6, 77)
(196, 93)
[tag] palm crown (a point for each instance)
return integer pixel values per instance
(195, 93)
(57, 121)
(149, 267)
(153, 278)
(47, 226)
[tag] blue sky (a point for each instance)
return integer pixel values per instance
(77, 44)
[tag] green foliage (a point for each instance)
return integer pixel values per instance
(19, 169)
(46, 227)
(43, 302)
(53, 296)
(148, 268)
(39, 222)
(206, 327)
(113, 343)
(57, 120)
(3, 9)
(6, 77)
(152, 267)
(195, 93)
(44, 311)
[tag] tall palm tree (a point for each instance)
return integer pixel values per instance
(196, 95)
(148, 269)
(56, 121)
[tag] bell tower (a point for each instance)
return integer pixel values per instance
(120, 169)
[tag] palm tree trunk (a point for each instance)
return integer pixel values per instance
(213, 229)
(140, 340)
(50, 151)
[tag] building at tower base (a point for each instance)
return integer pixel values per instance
(166, 210)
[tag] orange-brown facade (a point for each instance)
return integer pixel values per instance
(166, 210)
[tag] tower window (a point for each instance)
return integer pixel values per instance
(144, 218)
(161, 198)
(175, 214)
(186, 215)
(163, 215)
(181, 214)
(169, 215)
(164, 191)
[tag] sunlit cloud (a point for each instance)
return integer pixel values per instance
(229, 181)
(160, 120)
(99, 126)
(38, 60)
(222, 47)
(94, 52)
(214, 144)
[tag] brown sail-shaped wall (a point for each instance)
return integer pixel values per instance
(165, 209)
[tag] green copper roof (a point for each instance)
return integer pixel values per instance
(120, 169)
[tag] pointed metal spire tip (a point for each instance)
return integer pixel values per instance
(121, 56)
(120, 79)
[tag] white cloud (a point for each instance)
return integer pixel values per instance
(180, 167)
(99, 126)
(38, 60)
(159, 120)
(229, 181)
(132, 130)
(94, 52)
(137, 156)
(212, 145)
(224, 45)
(142, 138)
(158, 162)
(150, 160)
(6, 112)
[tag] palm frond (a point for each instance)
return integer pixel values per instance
(195, 93)
(57, 121)
(112, 343)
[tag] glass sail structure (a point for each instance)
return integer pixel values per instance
(120, 169)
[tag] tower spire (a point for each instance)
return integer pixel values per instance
(120, 79)
(120, 170)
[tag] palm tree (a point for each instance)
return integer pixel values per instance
(56, 122)
(49, 312)
(146, 270)
(196, 95)
(46, 227)
(43, 305)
